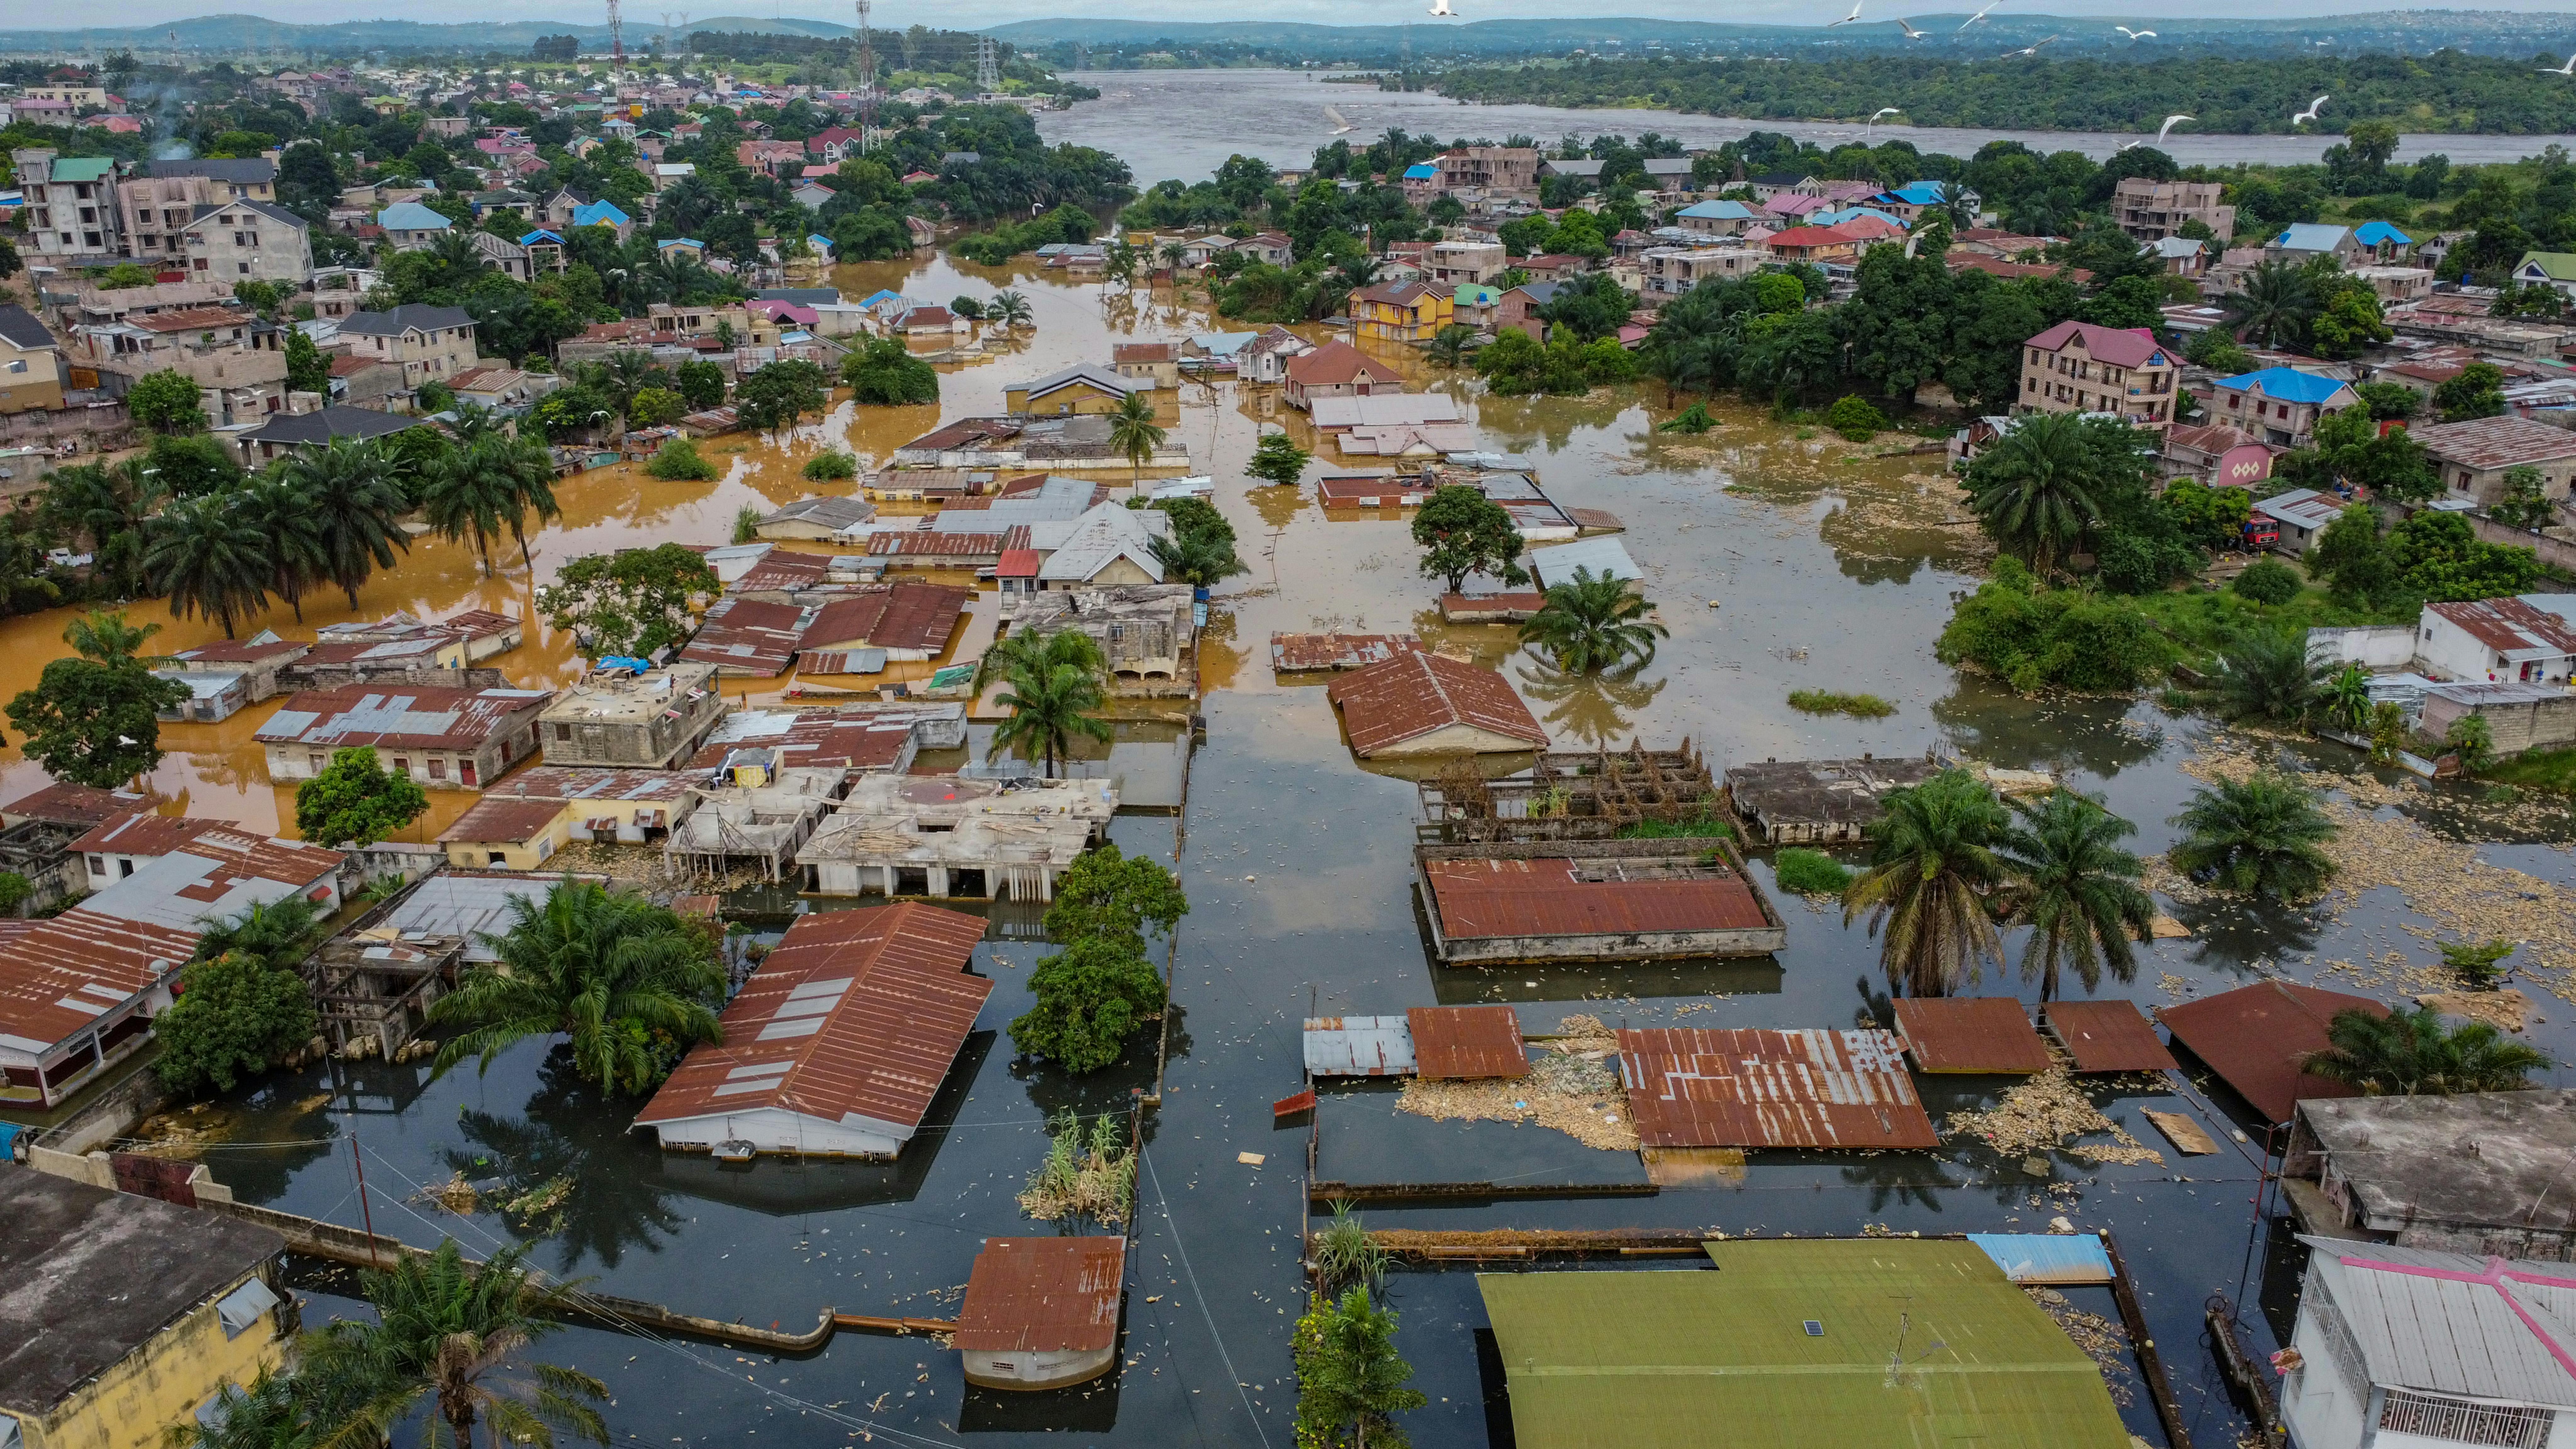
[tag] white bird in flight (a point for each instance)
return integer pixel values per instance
(2568, 69)
(1441, 7)
(1980, 15)
(1881, 111)
(2310, 113)
(1340, 126)
(2135, 34)
(2161, 132)
(2027, 49)
(1848, 19)
(1910, 32)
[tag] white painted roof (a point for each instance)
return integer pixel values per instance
(1604, 556)
(2422, 1323)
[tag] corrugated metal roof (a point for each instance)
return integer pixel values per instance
(1969, 1034)
(1297, 653)
(853, 1014)
(1483, 899)
(424, 717)
(501, 820)
(591, 783)
(2108, 1036)
(897, 616)
(1605, 557)
(74, 804)
(1412, 695)
(2254, 1036)
(1359, 1046)
(2447, 1321)
(2047, 1257)
(58, 977)
(1043, 1295)
(745, 636)
(1467, 1041)
(142, 832)
(1757, 1088)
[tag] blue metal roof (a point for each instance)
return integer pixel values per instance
(1719, 211)
(2373, 233)
(411, 216)
(1921, 193)
(2286, 383)
(2310, 236)
(1836, 218)
(599, 213)
(1421, 171)
(2047, 1257)
(541, 234)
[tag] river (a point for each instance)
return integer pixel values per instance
(1780, 558)
(1184, 123)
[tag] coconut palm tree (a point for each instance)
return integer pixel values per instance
(1198, 559)
(451, 1336)
(1134, 433)
(1052, 686)
(628, 981)
(1932, 865)
(1590, 623)
(2410, 1053)
(297, 554)
(104, 637)
(2076, 887)
(212, 558)
(281, 933)
(2256, 836)
(2268, 675)
(461, 495)
(351, 488)
(2274, 305)
(1010, 309)
(109, 508)
(1451, 345)
(2039, 487)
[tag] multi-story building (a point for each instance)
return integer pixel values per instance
(1671, 271)
(428, 343)
(2280, 405)
(442, 738)
(2077, 368)
(249, 241)
(621, 719)
(1409, 312)
(2472, 457)
(1451, 262)
(70, 207)
(237, 362)
(2152, 210)
(412, 227)
(1497, 171)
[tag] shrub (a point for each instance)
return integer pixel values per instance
(1809, 872)
(2268, 581)
(236, 1017)
(1856, 420)
(1826, 701)
(2471, 739)
(2034, 638)
(679, 459)
(2477, 965)
(831, 464)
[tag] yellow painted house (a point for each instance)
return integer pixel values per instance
(126, 1316)
(1087, 388)
(507, 832)
(1406, 312)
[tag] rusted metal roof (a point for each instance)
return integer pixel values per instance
(1372, 490)
(1359, 1046)
(1755, 1088)
(1043, 1295)
(1297, 653)
(141, 832)
(782, 571)
(591, 783)
(858, 738)
(895, 1005)
(510, 820)
(2107, 1036)
(1969, 1034)
(929, 543)
(74, 805)
(1485, 898)
(745, 636)
(1413, 695)
(1467, 1041)
(58, 977)
(2511, 627)
(900, 616)
(2254, 1036)
(416, 717)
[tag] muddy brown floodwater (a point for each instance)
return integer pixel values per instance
(1778, 558)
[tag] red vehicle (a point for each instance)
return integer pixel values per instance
(2261, 533)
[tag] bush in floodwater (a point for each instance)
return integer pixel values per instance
(679, 459)
(2477, 965)
(831, 464)
(1088, 1171)
(1345, 1254)
(1826, 701)
(1699, 826)
(2268, 581)
(2036, 638)
(1856, 420)
(1809, 872)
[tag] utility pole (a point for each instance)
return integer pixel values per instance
(867, 79)
(366, 1213)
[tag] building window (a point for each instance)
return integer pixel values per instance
(437, 769)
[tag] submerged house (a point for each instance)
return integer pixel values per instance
(1593, 900)
(947, 835)
(837, 1044)
(1424, 704)
(2471, 1173)
(1042, 1313)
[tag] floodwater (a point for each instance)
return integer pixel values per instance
(1778, 561)
(1184, 123)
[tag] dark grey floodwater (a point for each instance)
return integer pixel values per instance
(1298, 871)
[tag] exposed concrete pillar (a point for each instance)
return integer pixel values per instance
(938, 880)
(891, 879)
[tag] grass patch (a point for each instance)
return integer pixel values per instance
(1809, 872)
(1698, 827)
(2537, 770)
(2205, 621)
(1826, 701)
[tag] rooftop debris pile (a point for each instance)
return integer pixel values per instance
(1572, 1087)
(2041, 1114)
(1571, 795)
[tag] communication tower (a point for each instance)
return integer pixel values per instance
(867, 79)
(616, 36)
(988, 64)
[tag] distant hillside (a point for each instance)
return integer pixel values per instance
(249, 34)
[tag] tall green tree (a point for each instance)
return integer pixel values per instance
(2045, 483)
(356, 800)
(1350, 1380)
(1589, 624)
(1277, 459)
(236, 1016)
(631, 602)
(1932, 863)
(167, 401)
(212, 558)
(2076, 887)
(1461, 532)
(354, 492)
(2256, 836)
(1115, 897)
(2411, 1052)
(299, 557)
(462, 496)
(630, 983)
(775, 397)
(109, 506)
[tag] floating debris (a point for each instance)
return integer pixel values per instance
(1572, 1087)
(455, 1195)
(1088, 1172)
(2102, 1340)
(2042, 1113)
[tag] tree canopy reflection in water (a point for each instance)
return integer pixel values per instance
(572, 1169)
(1596, 710)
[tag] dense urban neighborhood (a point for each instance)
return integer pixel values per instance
(706, 737)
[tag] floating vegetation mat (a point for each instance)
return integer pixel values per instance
(1573, 1086)
(2041, 1115)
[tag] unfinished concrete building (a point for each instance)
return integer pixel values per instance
(376, 985)
(1147, 632)
(1808, 802)
(1568, 795)
(622, 719)
(1594, 900)
(945, 835)
(760, 817)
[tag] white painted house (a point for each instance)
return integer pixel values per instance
(2495, 641)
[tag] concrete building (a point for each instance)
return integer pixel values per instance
(2077, 368)
(1082, 389)
(2494, 641)
(1814, 802)
(2280, 405)
(2217, 455)
(2149, 210)
(1155, 364)
(249, 241)
(1111, 544)
(2303, 240)
(1670, 271)
(70, 211)
(947, 835)
(237, 362)
(2519, 717)
(820, 520)
(31, 363)
(428, 343)
(1265, 358)
(2449, 1173)
(507, 834)
(241, 178)
(618, 718)
(1716, 218)
(1401, 312)
(1449, 263)
(1337, 369)
(444, 739)
(2302, 515)
(125, 1315)
(2471, 457)
(1145, 632)
(631, 807)
(412, 227)
(1498, 172)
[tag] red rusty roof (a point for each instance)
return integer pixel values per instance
(854, 737)
(782, 571)
(2254, 1036)
(1747, 1088)
(503, 820)
(418, 716)
(904, 616)
(478, 623)
(2511, 627)
(1373, 490)
(58, 977)
(1043, 1295)
(1969, 1034)
(2108, 1036)
(1338, 364)
(747, 636)
(901, 1004)
(1546, 897)
(1467, 1041)
(74, 804)
(1412, 695)
(142, 832)
(1298, 653)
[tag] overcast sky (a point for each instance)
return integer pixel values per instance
(971, 13)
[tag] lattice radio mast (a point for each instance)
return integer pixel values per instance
(988, 64)
(616, 36)
(867, 79)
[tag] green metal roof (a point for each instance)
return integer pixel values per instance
(2557, 266)
(82, 168)
(1665, 1360)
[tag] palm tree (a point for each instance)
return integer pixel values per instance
(1052, 686)
(351, 489)
(1010, 309)
(108, 506)
(461, 495)
(2268, 674)
(611, 970)
(1931, 868)
(529, 471)
(1201, 559)
(1593, 623)
(1133, 431)
(297, 552)
(1172, 253)
(211, 557)
(2258, 835)
(2274, 305)
(105, 638)
(2346, 699)
(1686, 348)
(1358, 270)
(452, 1333)
(2037, 487)
(1451, 345)
(2410, 1053)
(2076, 887)
(280, 933)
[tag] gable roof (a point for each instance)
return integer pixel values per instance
(324, 424)
(2556, 266)
(1413, 695)
(599, 213)
(2254, 1036)
(2311, 236)
(2287, 384)
(411, 216)
(1718, 211)
(1813, 236)
(2512, 628)
(2372, 233)
(2450, 1323)
(409, 317)
(1100, 537)
(2119, 346)
(1089, 373)
(1336, 363)
(20, 327)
